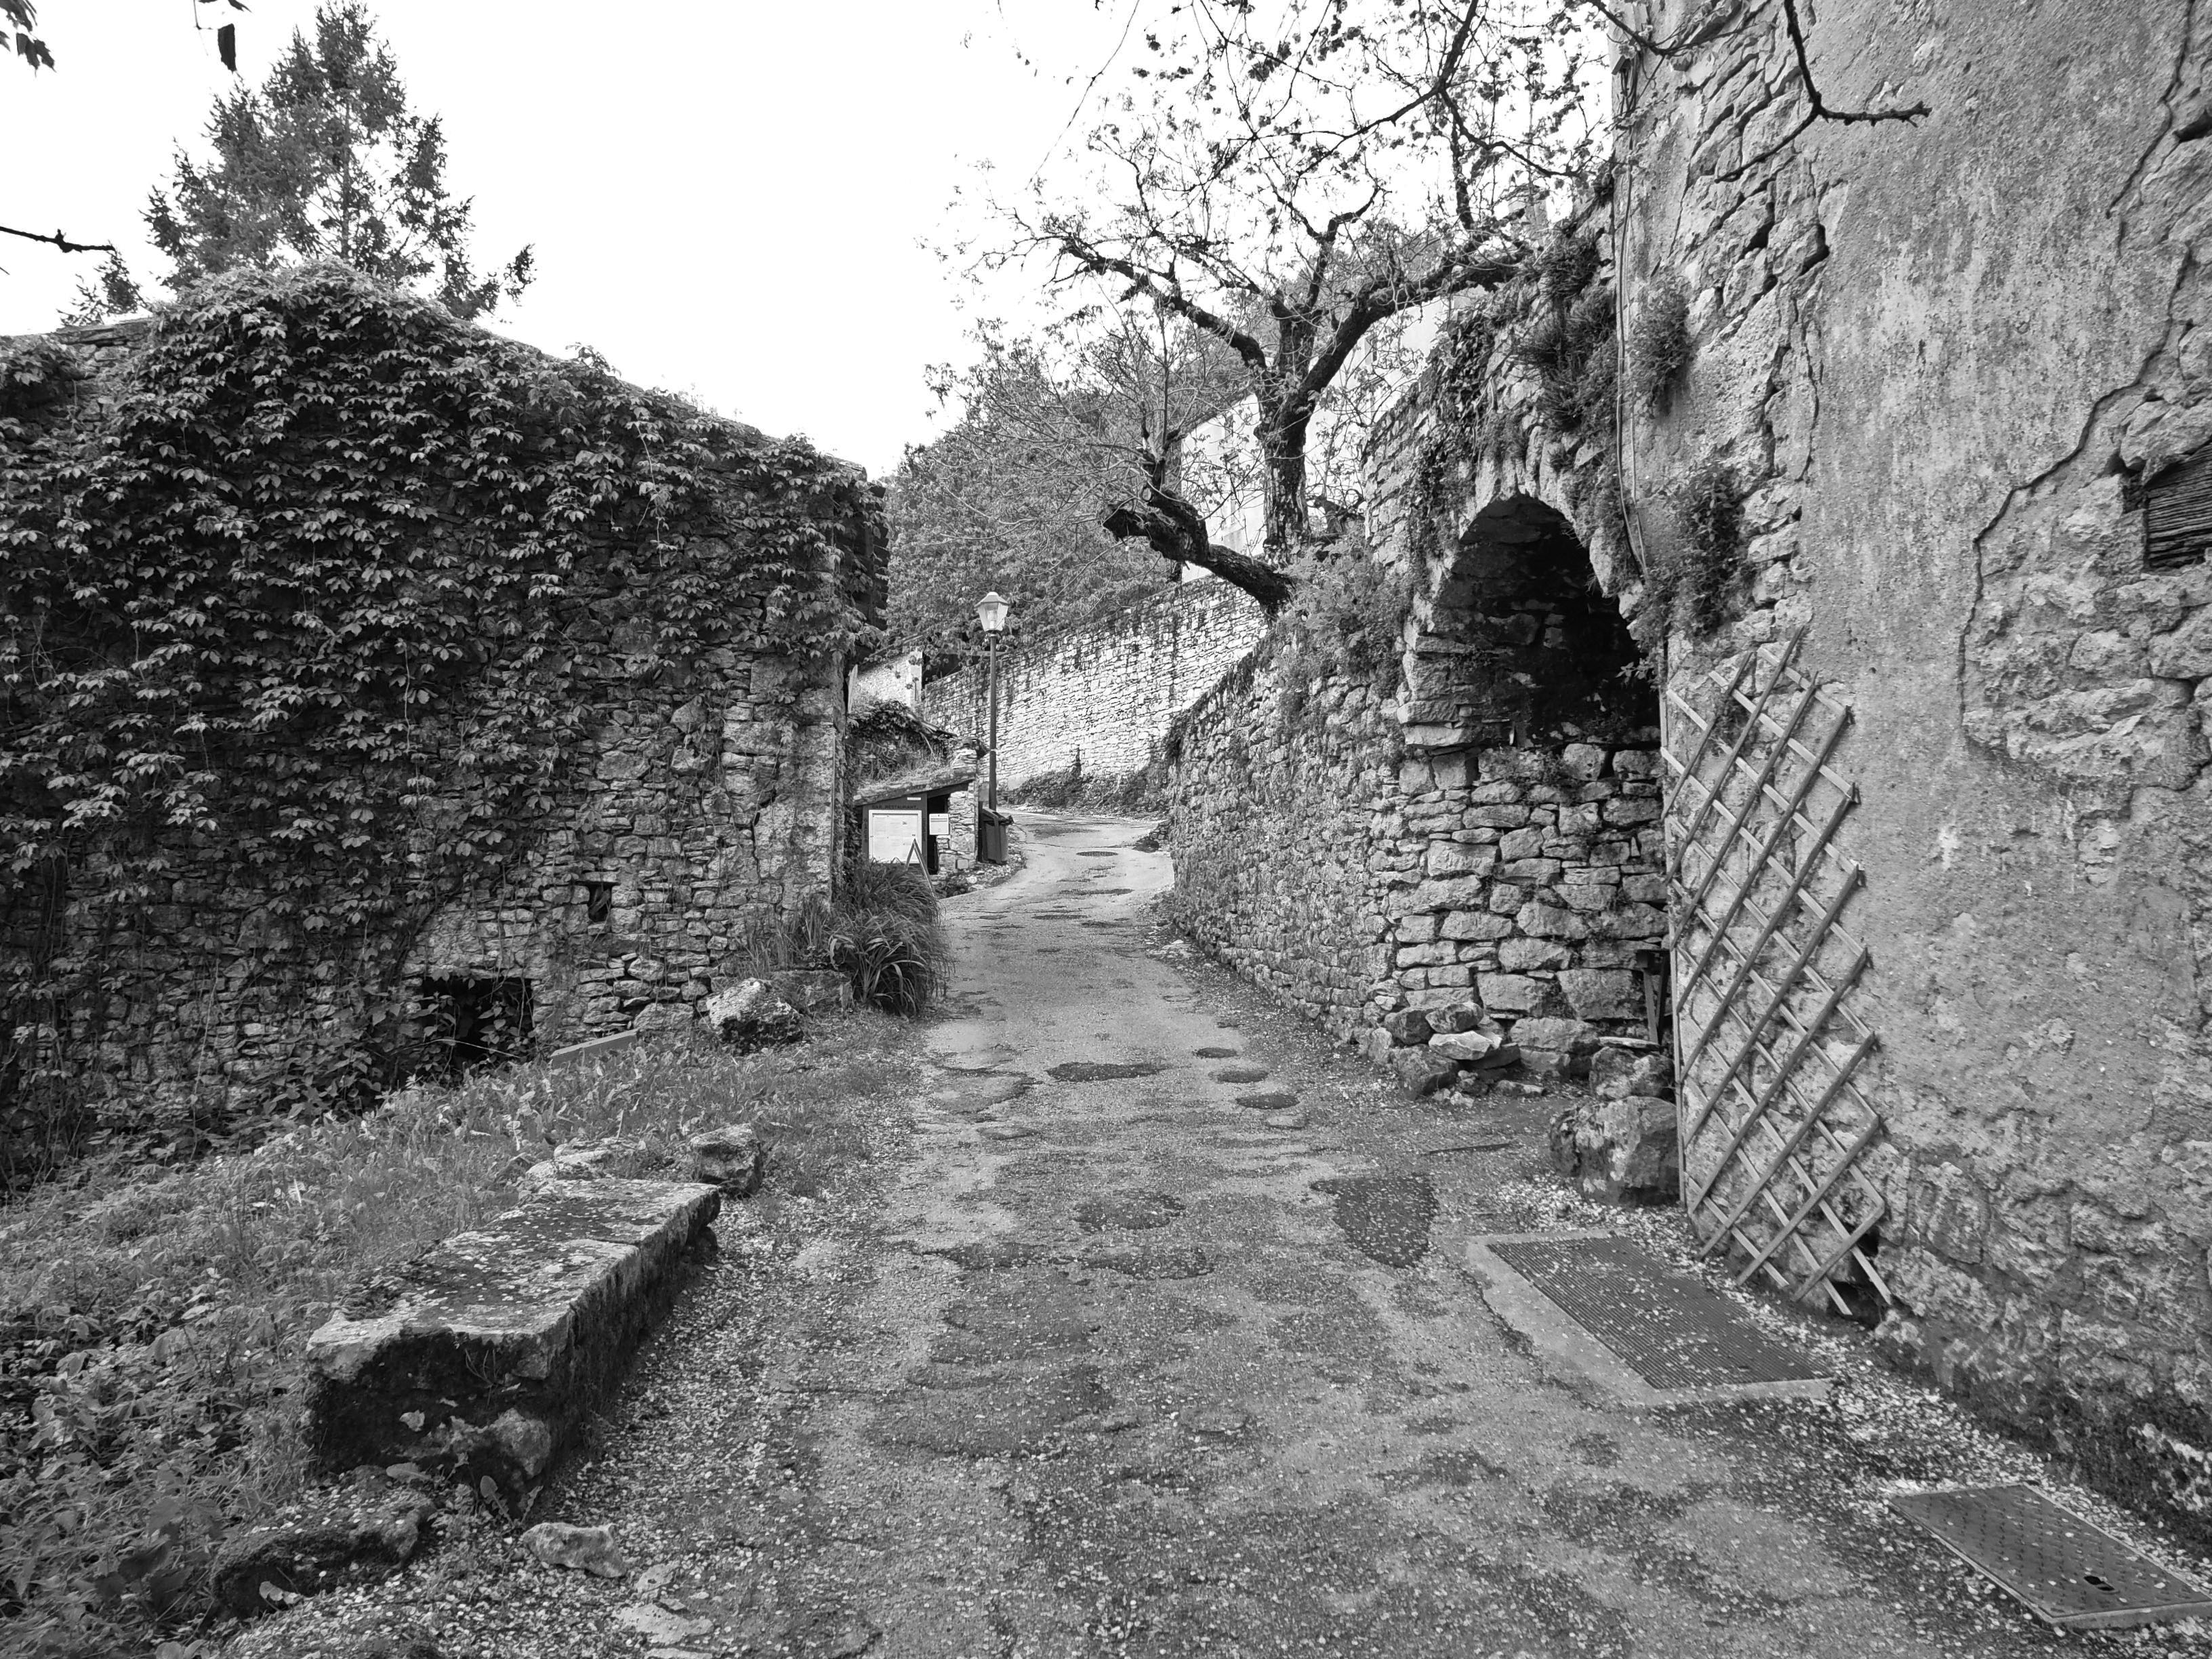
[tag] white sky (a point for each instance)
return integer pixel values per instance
(725, 198)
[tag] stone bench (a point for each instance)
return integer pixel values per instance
(481, 1355)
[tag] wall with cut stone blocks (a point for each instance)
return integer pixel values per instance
(1106, 692)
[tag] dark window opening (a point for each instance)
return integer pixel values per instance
(599, 902)
(1525, 651)
(2177, 514)
(469, 1024)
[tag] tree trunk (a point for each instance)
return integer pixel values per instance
(1176, 531)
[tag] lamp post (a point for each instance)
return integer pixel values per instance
(991, 611)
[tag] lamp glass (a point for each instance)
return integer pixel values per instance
(991, 611)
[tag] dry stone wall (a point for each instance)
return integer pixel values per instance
(1106, 693)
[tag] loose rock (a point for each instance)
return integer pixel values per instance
(581, 1549)
(753, 1015)
(732, 1157)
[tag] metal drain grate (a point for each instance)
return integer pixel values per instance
(1671, 1331)
(2069, 1571)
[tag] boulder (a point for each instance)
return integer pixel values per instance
(1409, 1027)
(732, 1157)
(1620, 1151)
(1376, 1043)
(580, 1160)
(580, 1549)
(1616, 1073)
(752, 1014)
(1470, 1047)
(1460, 1017)
(1422, 1071)
(348, 1535)
(483, 1354)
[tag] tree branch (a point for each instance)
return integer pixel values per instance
(1820, 110)
(1170, 295)
(1176, 531)
(58, 241)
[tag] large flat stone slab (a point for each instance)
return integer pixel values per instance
(484, 1353)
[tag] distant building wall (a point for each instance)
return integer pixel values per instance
(1106, 692)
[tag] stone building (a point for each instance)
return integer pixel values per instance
(677, 776)
(1888, 442)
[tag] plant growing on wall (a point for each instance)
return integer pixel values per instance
(1659, 341)
(291, 622)
(1692, 577)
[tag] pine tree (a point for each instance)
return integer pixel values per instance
(323, 160)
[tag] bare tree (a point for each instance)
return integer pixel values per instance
(1283, 178)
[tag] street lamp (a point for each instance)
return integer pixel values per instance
(991, 611)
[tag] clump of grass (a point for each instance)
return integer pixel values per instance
(1659, 342)
(885, 936)
(151, 1330)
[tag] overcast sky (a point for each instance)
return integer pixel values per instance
(725, 198)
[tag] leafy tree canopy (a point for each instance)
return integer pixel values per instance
(1054, 429)
(323, 160)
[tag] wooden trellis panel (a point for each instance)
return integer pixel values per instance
(1768, 1046)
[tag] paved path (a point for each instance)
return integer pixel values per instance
(1099, 1363)
(1128, 1383)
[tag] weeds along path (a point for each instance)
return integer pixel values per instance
(1077, 1358)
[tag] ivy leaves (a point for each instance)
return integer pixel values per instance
(309, 602)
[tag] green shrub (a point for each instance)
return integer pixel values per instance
(885, 935)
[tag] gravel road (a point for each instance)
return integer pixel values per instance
(1102, 1361)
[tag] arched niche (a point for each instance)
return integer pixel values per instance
(1521, 649)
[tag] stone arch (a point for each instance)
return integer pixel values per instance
(1516, 645)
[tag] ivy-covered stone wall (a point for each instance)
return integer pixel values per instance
(359, 665)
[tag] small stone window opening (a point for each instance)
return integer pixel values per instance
(599, 902)
(470, 1024)
(2177, 514)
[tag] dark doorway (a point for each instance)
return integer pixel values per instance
(470, 1024)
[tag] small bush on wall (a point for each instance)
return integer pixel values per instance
(1659, 342)
(1346, 619)
(1693, 579)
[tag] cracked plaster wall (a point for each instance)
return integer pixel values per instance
(1944, 355)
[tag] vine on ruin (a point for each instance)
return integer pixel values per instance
(302, 596)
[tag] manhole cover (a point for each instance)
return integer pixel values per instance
(2069, 1571)
(1671, 1331)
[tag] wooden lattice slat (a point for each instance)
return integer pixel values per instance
(1774, 1120)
